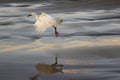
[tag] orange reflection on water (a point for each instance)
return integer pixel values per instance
(110, 40)
(39, 46)
(71, 71)
(43, 47)
(81, 44)
(16, 47)
(71, 62)
(78, 71)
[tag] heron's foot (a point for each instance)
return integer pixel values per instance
(56, 34)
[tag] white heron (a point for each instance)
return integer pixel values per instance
(44, 21)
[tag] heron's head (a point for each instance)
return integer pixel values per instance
(32, 14)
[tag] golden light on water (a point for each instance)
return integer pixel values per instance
(41, 46)
(75, 71)
(71, 71)
(81, 44)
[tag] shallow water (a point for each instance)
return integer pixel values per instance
(88, 46)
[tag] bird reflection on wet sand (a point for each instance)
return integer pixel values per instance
(47, 69)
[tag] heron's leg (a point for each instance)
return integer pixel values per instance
(55, 64)
(56, 33)
(55, 28)
(56, 60)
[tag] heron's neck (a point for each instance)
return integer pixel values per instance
(36, 16)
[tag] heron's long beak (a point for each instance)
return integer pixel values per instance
(29, 15)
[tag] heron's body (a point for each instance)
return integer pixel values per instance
(44, 21)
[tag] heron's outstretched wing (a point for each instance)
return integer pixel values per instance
(48, 20)
(44, 22)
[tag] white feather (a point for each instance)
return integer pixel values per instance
(40, 26)
(44, 21)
